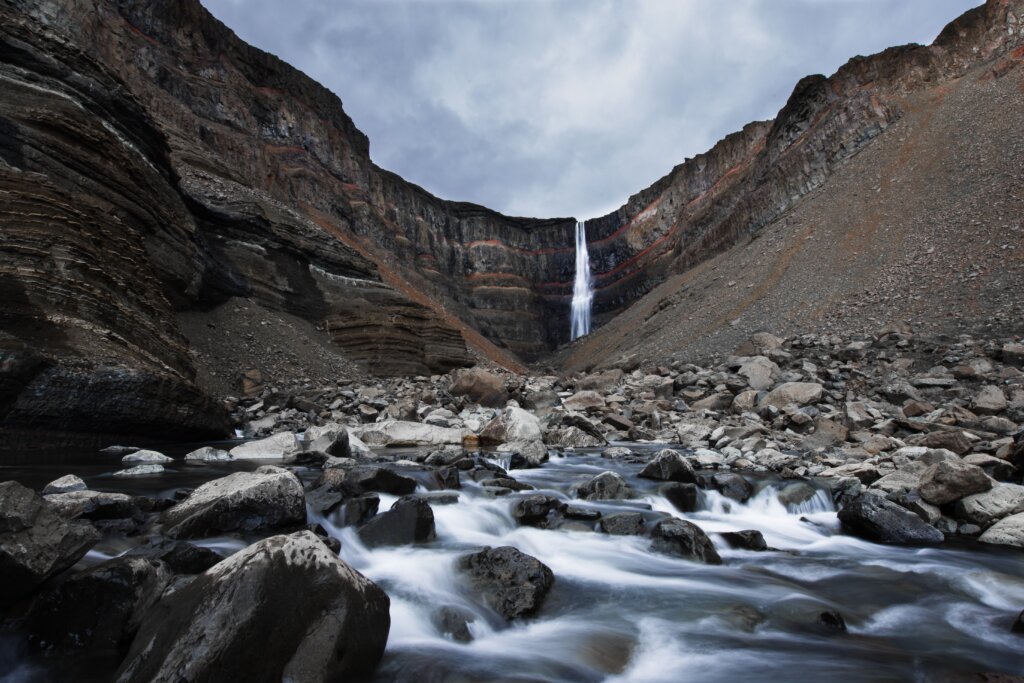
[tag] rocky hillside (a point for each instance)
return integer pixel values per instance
(179, 207)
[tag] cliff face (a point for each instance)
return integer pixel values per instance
(754, 176)
(151, 163)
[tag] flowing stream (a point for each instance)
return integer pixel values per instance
(582, 288)
(619, 612)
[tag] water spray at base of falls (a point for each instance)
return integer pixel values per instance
(582, 289)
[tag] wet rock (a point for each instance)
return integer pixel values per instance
(36, 542)
(683, 539)
(622, 524)
(525, 454)
(684, 497)
(1018, 624)
(334, 442)
(410, 520)
(796, 493)
(508, 581)
(669, 465)
(269, 498)
(800, 393)
(144, 457)
(605, 486)
(359, 510)
(832, 620)
(733, 486)
(208, 454)
(1007, 531)
(181, 557)
(65, 484)
(313, 617)
(513, 425)
(95, 505)
(140, 471)
(447, 478)
(98, 608)
(276, 447)
(481, 386)
(396, 434)
(616, 452)
(750, 539)
(454, 622)
(877, 519)
(573, 437)
(987, 507)
(367, 478)
(947, 481)
(537, 510)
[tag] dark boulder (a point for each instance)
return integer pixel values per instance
(410, 520)
(669, 465)
(181, 556)
(605, 486)
(510, 582)
(365, 479)
(750, 539)
(99, 608)
(447, 478)
(537, 510)
(36, 542)
(877, 519)
(733, 486)
(359, 510)
(622, 524)
(285, 608)
(269, 498)
(683, 539)
(684, 497)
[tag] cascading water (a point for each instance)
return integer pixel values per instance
(582, 291)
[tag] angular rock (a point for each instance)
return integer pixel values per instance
(604, 486)
(508, 581)
(760, 372)
(989, 401)
(36, 543)
(95, 505)
(732, 485)
(622, 524)
(334, 442)
(514, 424)
(669, 465)
(208, 454)
(584, 400)
(410, 520)
(750, 539)
(683, 539)
(480, 386)
(313, 617)
(683, 496)
(1007, 531)
(397, 434)
(946, 481)
(65, 484)
(364, 479)
(800, 393)
(877, 519)
(269, 498)
(276, 447)
(98, 608)
(525, 454)
(987, 507)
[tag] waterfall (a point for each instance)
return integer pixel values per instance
(582, 293)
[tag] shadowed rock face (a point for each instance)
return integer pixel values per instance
(153, 163)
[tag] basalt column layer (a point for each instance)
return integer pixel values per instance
(752, 177)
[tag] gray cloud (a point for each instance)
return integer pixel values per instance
(565, 107)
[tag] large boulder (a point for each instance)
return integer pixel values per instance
(99, 608)
(800, 393)
(364, 479)
(877, 519)
(669, 465)
(397, 434)
(410, 520)
(986, 507)
(684, 539)
(948, 481)
(584, 400)
(525, 454)
(605, 486)
(36, 542)
(1007, 531)
(65, 484)
(269, 498)
(95, 505)
(276, 447)
(760, 372)
(510, 582)
(480, 386)
(309, 616)
(514, 424)
(536, 509)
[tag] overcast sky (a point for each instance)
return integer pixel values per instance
(565, 107)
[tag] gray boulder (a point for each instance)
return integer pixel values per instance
(1007, 531)
(800, 393)
(877, 519)
(145, 457)
(948, 481)
(669, 465)
(683, 539)
(510, 582)
(208, 454)
(65, 484)
(36, 542)
(269, 498)
(605, 486)
(283, 609)
(986, 507)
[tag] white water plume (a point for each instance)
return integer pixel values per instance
(582, 288)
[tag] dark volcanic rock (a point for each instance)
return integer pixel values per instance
(99, 608)
(510, 582)
(313, 617)
(410, 520)
(269, 498)
(669, 465)
(686, 540)
(536, 510)
(36, 543)
(877, 519)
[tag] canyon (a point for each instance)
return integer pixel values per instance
(157, 171)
